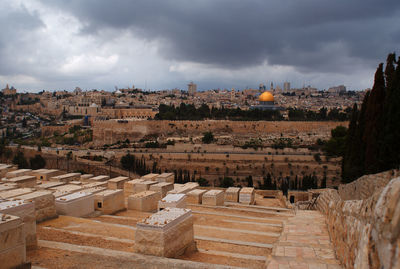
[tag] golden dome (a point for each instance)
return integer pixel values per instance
(266, 97)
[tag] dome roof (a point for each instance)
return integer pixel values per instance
(266, 97)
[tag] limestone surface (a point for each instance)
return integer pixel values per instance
(213, 198)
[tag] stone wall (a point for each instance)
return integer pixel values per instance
(366, 233)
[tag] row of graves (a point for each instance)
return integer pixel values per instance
(30, 196)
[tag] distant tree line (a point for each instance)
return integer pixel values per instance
(373, 140)
(190, 112)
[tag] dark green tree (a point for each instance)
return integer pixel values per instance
(20, 160)
(37, 162)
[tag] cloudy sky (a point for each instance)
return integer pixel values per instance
(164, 44)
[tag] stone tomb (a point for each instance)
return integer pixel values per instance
(166, 177)
(172, 200)
(5, 168)
(65, 189)
(195, 196)
(12, 242)
(46, 174)
(109, 201)
(66, 177)
(18, 173)
(99, 178)
(86, 177)
(76, 204)
(8, 186)
(49, 185)
(95, 184)
(95, 190)
(184, 188)
(129, 186)
(15, 192)
(213, 197)
(150, 177)
(162, 187)
(144, 201)
(26, 211)
(117, 183)
(23, 181)
(247, 196)
(44, 204)
(143, 186)
(232, 194)
(167, 233)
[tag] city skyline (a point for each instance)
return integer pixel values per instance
(51, 45)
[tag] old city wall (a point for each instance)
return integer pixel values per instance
(365, 232)
(110, 131)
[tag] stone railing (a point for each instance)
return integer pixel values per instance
(365, 233)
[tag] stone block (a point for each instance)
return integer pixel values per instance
(144, 201)
(8, 186)
(26, 211)
(66, 177)
(15, 192)
(247, 196)
(166, 177)
(109, 201)
(184, 188)
(195, 196)
(150, 177)
(23, 181)
(173, 200)
(143, 186)
(167, 233)
(117, 183)
(62, 190)
(95, 184)
(100, 178)
(12, 241)
(5, 168)
(95, 190)
(163, 188)
(49, 185)
(232, 194)
(46, 174)
(86, 177)
(75, 182)
(44, 202)
(76, 204)
(129, 186)
(18, 173)
(213, 197)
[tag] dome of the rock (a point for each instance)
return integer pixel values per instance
(266, 97)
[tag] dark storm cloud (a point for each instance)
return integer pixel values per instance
(311, 35)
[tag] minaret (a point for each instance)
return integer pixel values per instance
(272, 86)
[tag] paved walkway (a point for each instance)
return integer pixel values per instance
(304, 244)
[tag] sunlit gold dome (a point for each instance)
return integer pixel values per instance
(266, 97)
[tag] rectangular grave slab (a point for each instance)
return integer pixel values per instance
(143, 186)
(166, 177)
(26, 211)
(76, 204)
(150, 177)
(49, 185)
(213, 198)
(18, 173)
(62, 190)
(23, 181)
(12, 241)
(117, 183)
(46, 174)
(44, 202)
(172, 201)
(195, 196)
(86, 177)
(144, 201)
(100, 178)
(232, 194)
(167, 233)
(130, 186)
(247, 196)
(5, 168)
(109, 201)
(8, 186)
(15, 192)
(66, 177)
(163, 188)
